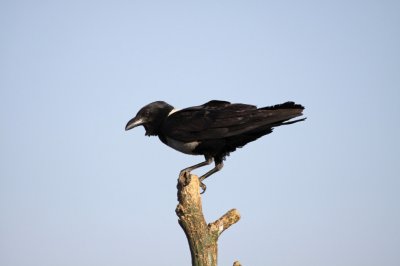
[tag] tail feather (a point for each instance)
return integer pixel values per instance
(286, 105)
(294, 121)
(284, 112)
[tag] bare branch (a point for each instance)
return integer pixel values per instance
(223, 223)
(202, 238)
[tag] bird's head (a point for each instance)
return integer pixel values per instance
(150, 117)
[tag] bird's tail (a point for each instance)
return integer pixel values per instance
(284, 112)
(293, 121)
(286, 105)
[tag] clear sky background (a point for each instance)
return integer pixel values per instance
(77, 190)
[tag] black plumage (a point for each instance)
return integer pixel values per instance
(213, 129)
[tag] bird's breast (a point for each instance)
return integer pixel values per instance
(185, 147)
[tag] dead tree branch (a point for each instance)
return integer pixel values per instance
(202, 237)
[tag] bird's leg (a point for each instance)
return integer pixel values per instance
(218, 166)
(191, 168)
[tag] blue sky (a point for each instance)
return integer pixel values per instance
(76, 189)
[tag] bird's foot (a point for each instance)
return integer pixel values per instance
(184, 173)
(203, 187)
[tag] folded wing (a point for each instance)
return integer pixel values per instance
(221, 119)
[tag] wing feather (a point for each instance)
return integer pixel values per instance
(221, 119)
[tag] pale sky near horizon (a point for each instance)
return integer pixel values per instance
(77, 190)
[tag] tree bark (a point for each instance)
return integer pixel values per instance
(202, 237)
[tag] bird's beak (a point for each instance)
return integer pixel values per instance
(134, 122)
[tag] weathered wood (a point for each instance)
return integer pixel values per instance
(202, 237)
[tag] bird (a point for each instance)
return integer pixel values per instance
(214, 129)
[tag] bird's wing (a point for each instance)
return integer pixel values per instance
(220, 119)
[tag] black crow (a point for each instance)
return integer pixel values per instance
(213, 129)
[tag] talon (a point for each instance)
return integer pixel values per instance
(184, 173)
(203, 187)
